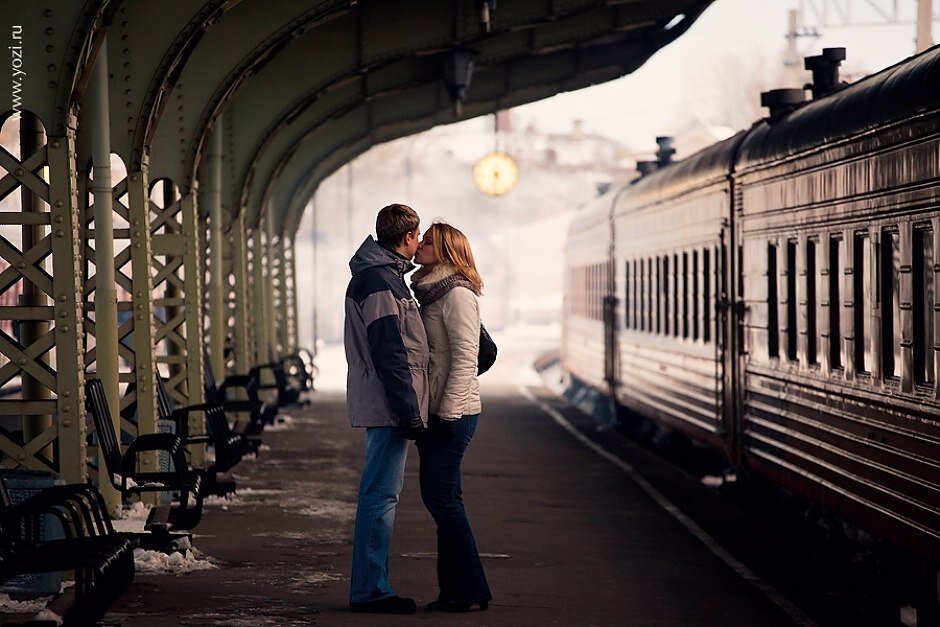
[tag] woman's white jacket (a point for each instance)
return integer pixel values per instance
(452, 324)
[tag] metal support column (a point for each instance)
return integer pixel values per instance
(193, 297)
(290, 340)
(243, 339)
(106, 333)
(259, 324)
(32, 329)
(106, 320)
(274, 277)
(217, 310)
(144, 340)
(66, 287)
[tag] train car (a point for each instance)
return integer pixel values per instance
(587, 278)
(837, 218)
(775, 296)
(670, 238)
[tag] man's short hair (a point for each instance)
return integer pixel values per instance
(393, 222)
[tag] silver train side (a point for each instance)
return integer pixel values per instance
(776, 296)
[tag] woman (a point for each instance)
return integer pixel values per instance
(447, 287)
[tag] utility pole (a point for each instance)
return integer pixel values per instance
(794, 75)
(924, 24)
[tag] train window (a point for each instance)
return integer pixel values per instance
(791, 301)
(811, 309)
(626, 296)
(836, 272)
(695, 292)
(923, 305)
(890, 297)
(637, 291)
(862, 299)
(665, 295)
(590, 291)
(654, 294)
(657, 298)
(633, 306)
(650, 295)
(644, 284)
(592, 295)
(685, 295)
(706, 296)
(773, 318)
(676, 306)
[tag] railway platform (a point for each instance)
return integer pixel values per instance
(569, 536)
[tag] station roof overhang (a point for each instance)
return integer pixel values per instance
(303, 86)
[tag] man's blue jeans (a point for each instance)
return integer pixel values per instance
(460, 573)
(381, 483)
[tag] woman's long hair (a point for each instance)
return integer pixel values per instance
(452, 247)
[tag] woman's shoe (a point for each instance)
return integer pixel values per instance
(454, 606)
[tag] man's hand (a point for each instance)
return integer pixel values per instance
(413, 428)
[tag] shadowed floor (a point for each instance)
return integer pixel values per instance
(568, 538)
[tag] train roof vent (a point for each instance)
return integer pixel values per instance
(646, 167)
(665, 151)
(782, 101)
(825, 69)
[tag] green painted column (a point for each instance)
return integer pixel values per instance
(32, 329)
(219, 280)
(243, 338)
(106, 320)
(258, 310)
(193, 298)
(273, 275)
(289, 266)
(144, 340)
(66, 286)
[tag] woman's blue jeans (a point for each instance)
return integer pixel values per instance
(382, 478)
(459, 569)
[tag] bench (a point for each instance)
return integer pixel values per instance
(292, 374)
(101, 559)
(122, 470)
(229, 447)
(260, 414)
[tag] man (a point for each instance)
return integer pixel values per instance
(386, 392)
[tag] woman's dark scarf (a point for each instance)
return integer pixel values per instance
(427, 293)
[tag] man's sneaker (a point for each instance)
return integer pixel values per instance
(388, 605)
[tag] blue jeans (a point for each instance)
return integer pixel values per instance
(460, 573)
(381, 483)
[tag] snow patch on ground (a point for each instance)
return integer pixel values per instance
(282, 422)
(9, 606)
(318, 578)
(132, 519)
(158, 563)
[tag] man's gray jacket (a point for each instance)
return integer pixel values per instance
(386, 347)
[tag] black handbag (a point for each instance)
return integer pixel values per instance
(487, 355)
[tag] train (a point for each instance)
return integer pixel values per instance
(775, 297)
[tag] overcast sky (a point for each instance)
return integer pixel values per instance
(731, 37)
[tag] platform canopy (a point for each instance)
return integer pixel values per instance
(304, 86)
